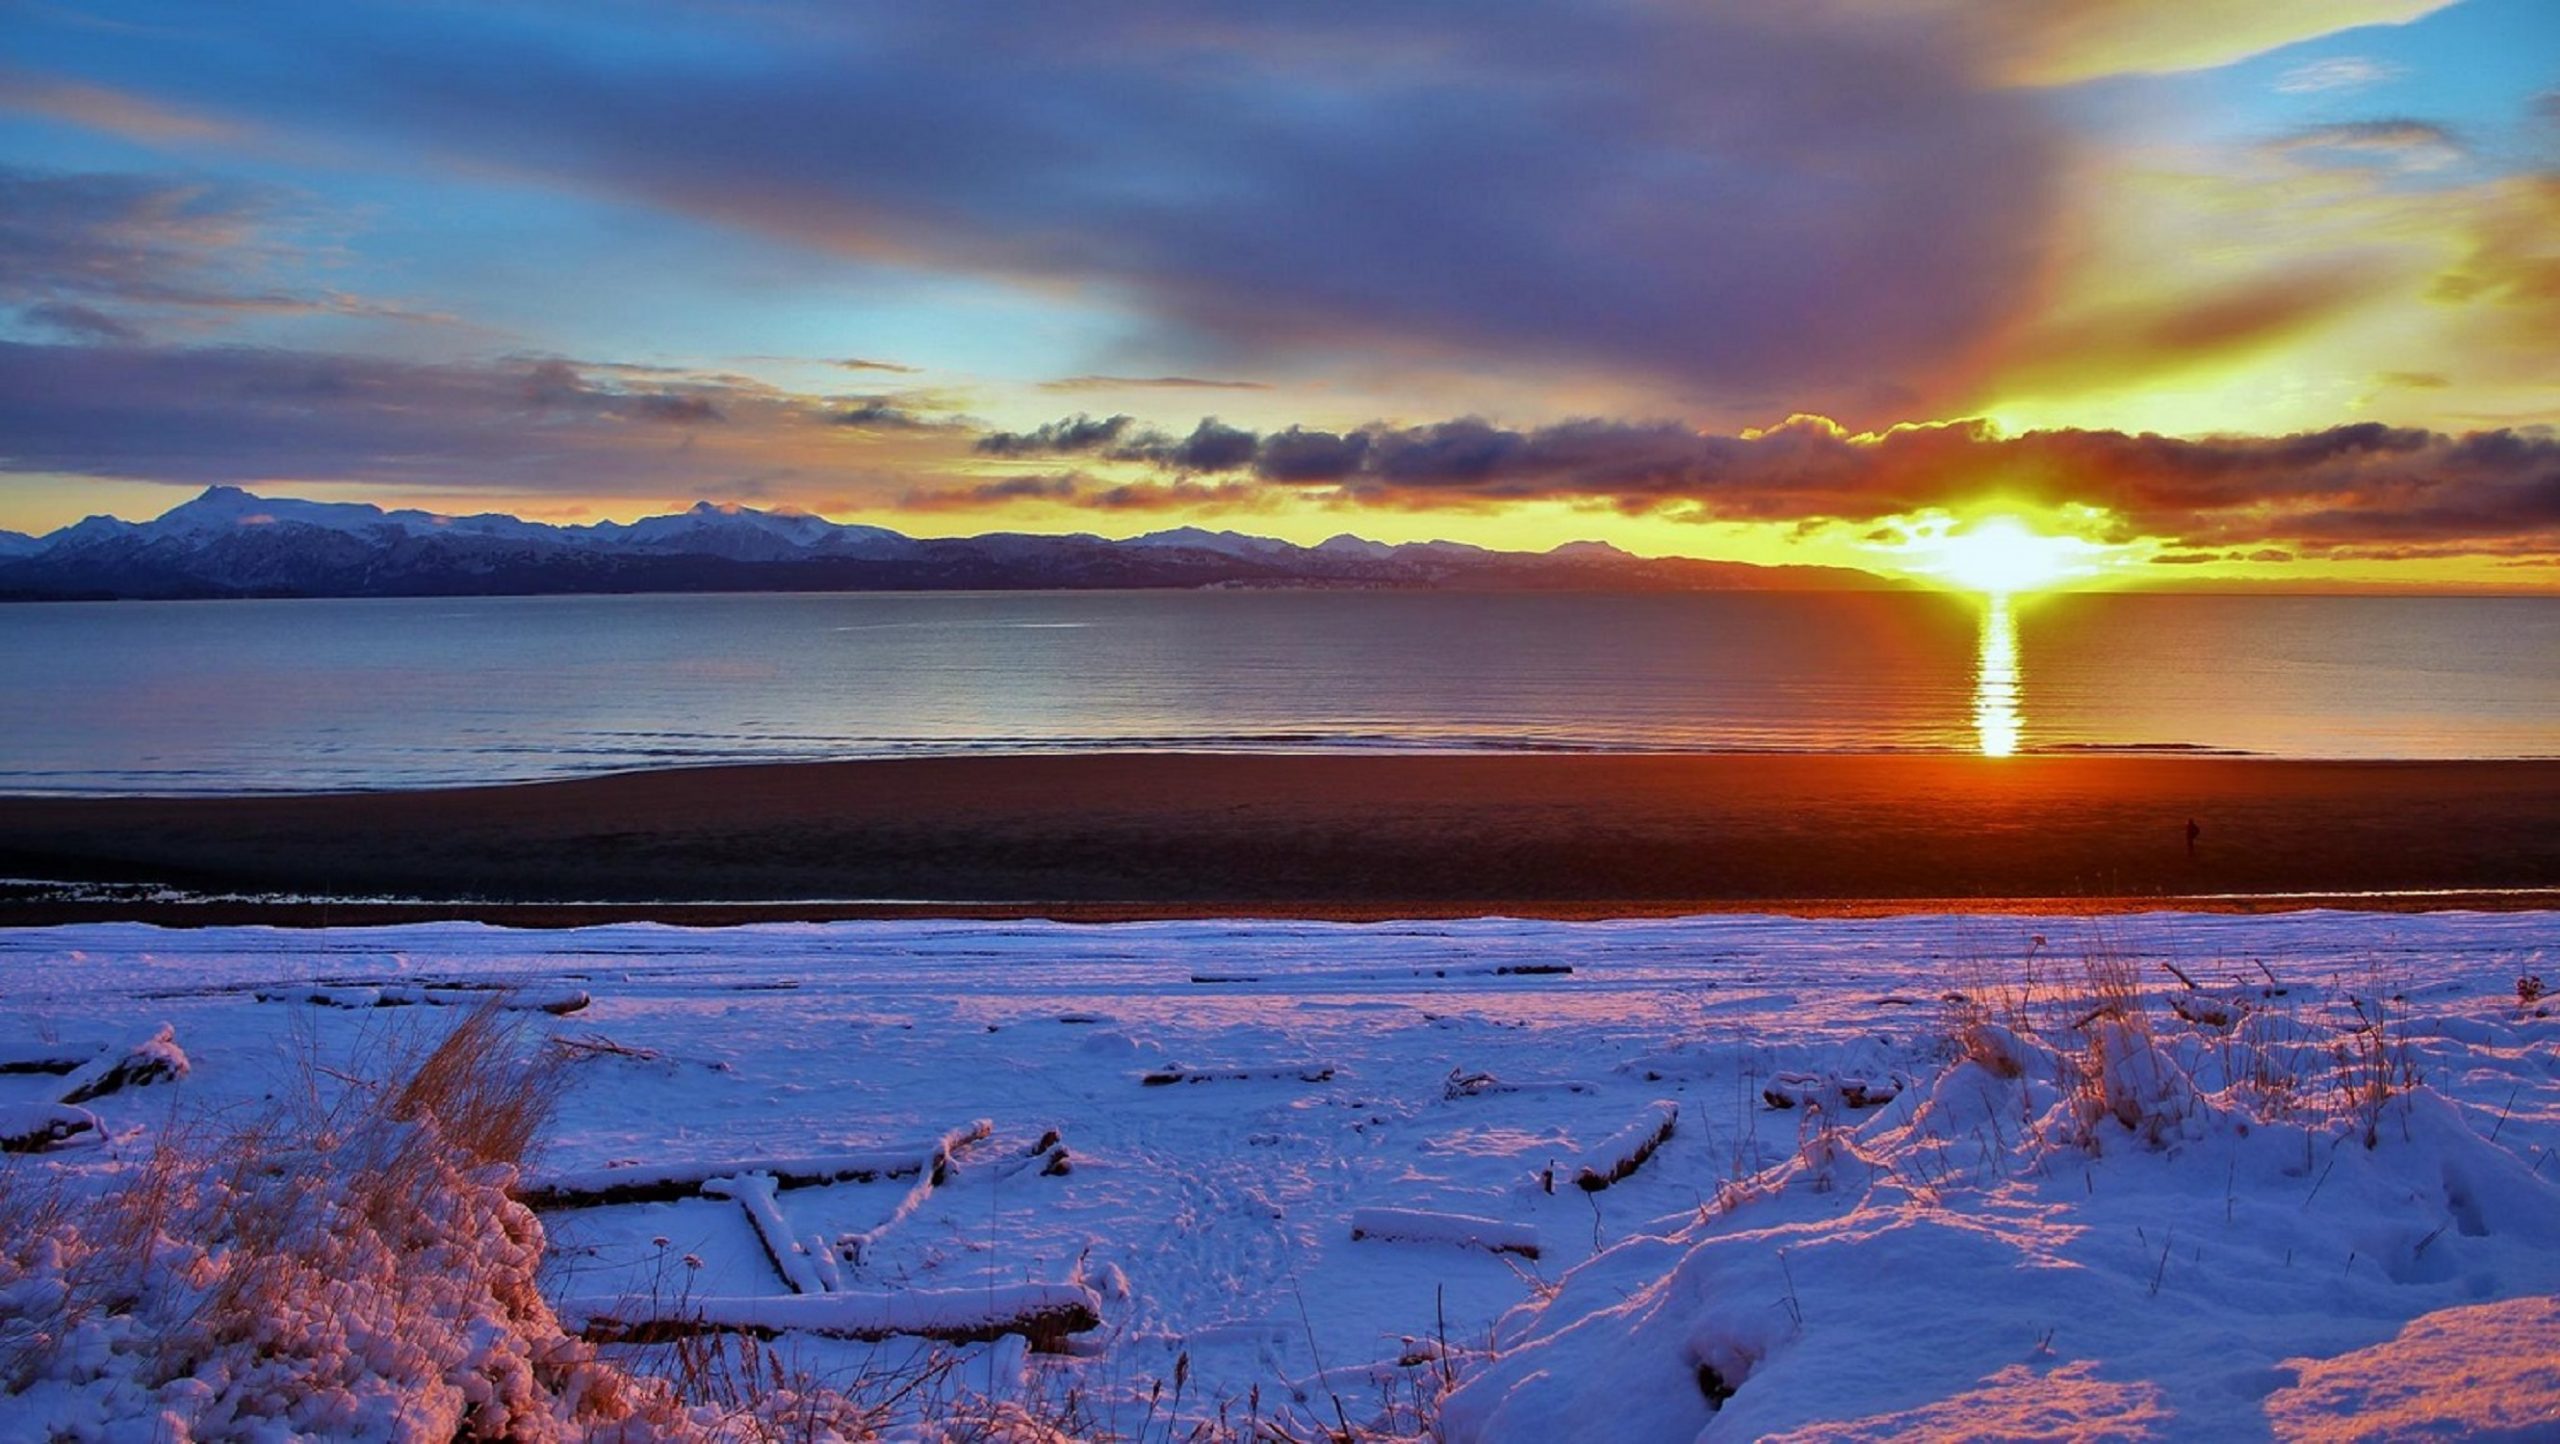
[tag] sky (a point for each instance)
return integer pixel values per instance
(2232, 291)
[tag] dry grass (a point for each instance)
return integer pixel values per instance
(357, 1240)
(354, 1242)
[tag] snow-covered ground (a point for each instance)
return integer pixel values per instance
(1297, 1164)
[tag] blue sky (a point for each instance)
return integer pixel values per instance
(1338, 220)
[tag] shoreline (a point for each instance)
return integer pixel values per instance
(1108, 836)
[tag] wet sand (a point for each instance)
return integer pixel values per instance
(1136, 835)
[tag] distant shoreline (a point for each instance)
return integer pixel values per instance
(1110, 836)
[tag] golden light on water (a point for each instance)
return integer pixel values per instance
(1995, 679)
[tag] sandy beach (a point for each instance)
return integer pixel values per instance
(1129, 835)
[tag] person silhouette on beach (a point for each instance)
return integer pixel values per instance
(2193, 832)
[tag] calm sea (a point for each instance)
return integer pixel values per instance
(255, 696)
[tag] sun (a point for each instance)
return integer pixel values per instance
(2001, 556)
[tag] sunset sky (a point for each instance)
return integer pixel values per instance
(2233, 290)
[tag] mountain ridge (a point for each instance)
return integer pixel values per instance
(230, 542)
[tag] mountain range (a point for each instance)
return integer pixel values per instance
(228, 542)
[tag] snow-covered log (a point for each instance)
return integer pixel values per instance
(156, 1059)
(656, 1183)
(1308, 1072)
(1625, 1151)
(754, 1193)
(2210, 1010)
(41, 1127)
(1848, 1090)
(1406, 1225)
(1044, 1314)
(47, 1057)
(558, 1002)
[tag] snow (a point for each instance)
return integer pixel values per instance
(2082, 1212)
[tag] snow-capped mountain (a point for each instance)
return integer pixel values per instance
(232, 542)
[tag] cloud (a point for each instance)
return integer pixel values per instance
(2062, 42)
(125, 247)
(880, 413)
(1157, 383)
(198, 415)
(2401, 144)
(681, 410)
(2338, 72)
(152, 240)
(1076, 434)
(113, 111)
(1188, 496)
(1754, 208)
(2346, 488)
(865, 363)
(2108, 344)
(76, 322)
(1054, 486)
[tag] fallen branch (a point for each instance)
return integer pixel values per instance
(1263, 1073)
(1404, 1225)
(1044, 1314)
(593, 1188)
(597, 1045)
(853, 1248)
(1625, 1151)
(1463, 1084)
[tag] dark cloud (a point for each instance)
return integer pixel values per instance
(1077, 433)
(681, 410)
(1819, 208)
(1059, 486)
(243, 414)
(2347, 486)
(1212, 446)
(865, 363)
(877, 413)
(75, 322)
(1298, 454)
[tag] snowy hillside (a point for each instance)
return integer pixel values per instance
(1710, 1178)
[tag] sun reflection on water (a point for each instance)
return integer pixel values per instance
(1995, 679)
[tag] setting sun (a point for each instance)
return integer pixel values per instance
(2001, 556)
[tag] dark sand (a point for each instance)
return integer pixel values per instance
(1134, 835)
